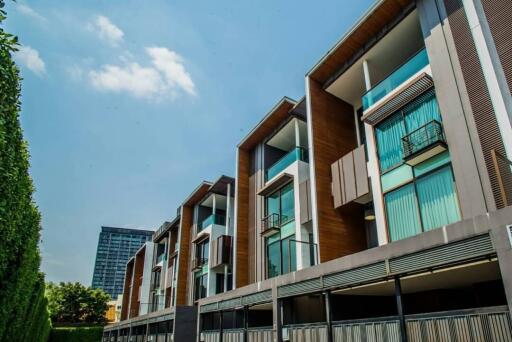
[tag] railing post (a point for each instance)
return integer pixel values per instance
(328, 315)
(401, 317)
(220, 325)
(246, 322)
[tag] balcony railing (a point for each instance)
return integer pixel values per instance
(395, 79)
(428, 138)
(198, 263)
(161, 258)
(298, 153)
(271, 224)
(213, 219)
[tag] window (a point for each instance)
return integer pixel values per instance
(200, 285)
(281, 256)
(203, 251)
(281, 202)
(390, 132)
(428, 202)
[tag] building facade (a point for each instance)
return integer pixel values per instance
(115, 247)
(379, 206)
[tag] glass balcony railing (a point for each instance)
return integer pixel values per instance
(396, 78)
(213, 219)
(298, 153)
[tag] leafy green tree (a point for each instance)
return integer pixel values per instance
(20, 280)
(74, 303)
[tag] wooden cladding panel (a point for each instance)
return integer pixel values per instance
(305, 202)
(138, 269)
(187, 219)
(126, 290)
(478, 93)
(242, 219)
(350, 177)
(366, 31)
(341, 232)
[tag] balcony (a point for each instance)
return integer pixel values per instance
(395, 79)
(424, 143)
(222, 249)
(298, 153)
(160, 259)
(213, 219)
(271, 225)
(198, 263)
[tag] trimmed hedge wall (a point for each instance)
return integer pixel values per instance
(76, 334)
(23, 313)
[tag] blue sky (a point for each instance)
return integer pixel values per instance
(128, 105)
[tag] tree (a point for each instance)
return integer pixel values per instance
(20, 280)
(74, 303)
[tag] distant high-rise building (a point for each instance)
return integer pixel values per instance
(115, 247)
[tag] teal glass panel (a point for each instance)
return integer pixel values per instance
(395, 79)
(437, 198)
(389, 141)
(396, 177)
(402, 213)
(432, 163)
(274, 259)
(213, 219)
(288, 229)
(289, 255)
(297, 153)
(421, 112)
(272, 203)
(287, 203)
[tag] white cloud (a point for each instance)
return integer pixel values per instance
(30, 58)
(29, 11)
(132, 78)
(164, 77)
(171, 66)
(107, 31)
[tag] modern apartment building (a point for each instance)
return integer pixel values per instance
(189, 258)
(115, 247)
(379, 206)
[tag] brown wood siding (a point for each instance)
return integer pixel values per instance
(187, 215)
(359, 38)
(242, 216)
(126, 290)
(134, 297)
(485, 118)
(333, 135)
(498, 16)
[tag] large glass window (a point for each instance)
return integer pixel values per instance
(282, 203)
(428, 202)
(200, 285)
(203, 251)
(281, 258)
(390, 132)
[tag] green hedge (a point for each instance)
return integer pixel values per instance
(23, 313)
(76, 334)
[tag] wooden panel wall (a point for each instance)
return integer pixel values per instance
(187, 216)
(341, 232)
(126, 290)
(242, 216)
(137, 274)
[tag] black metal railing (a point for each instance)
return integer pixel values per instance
(199, 262)
(270, 223)
(422, 138)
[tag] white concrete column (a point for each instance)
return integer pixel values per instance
(297, 133)
(367, 79)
